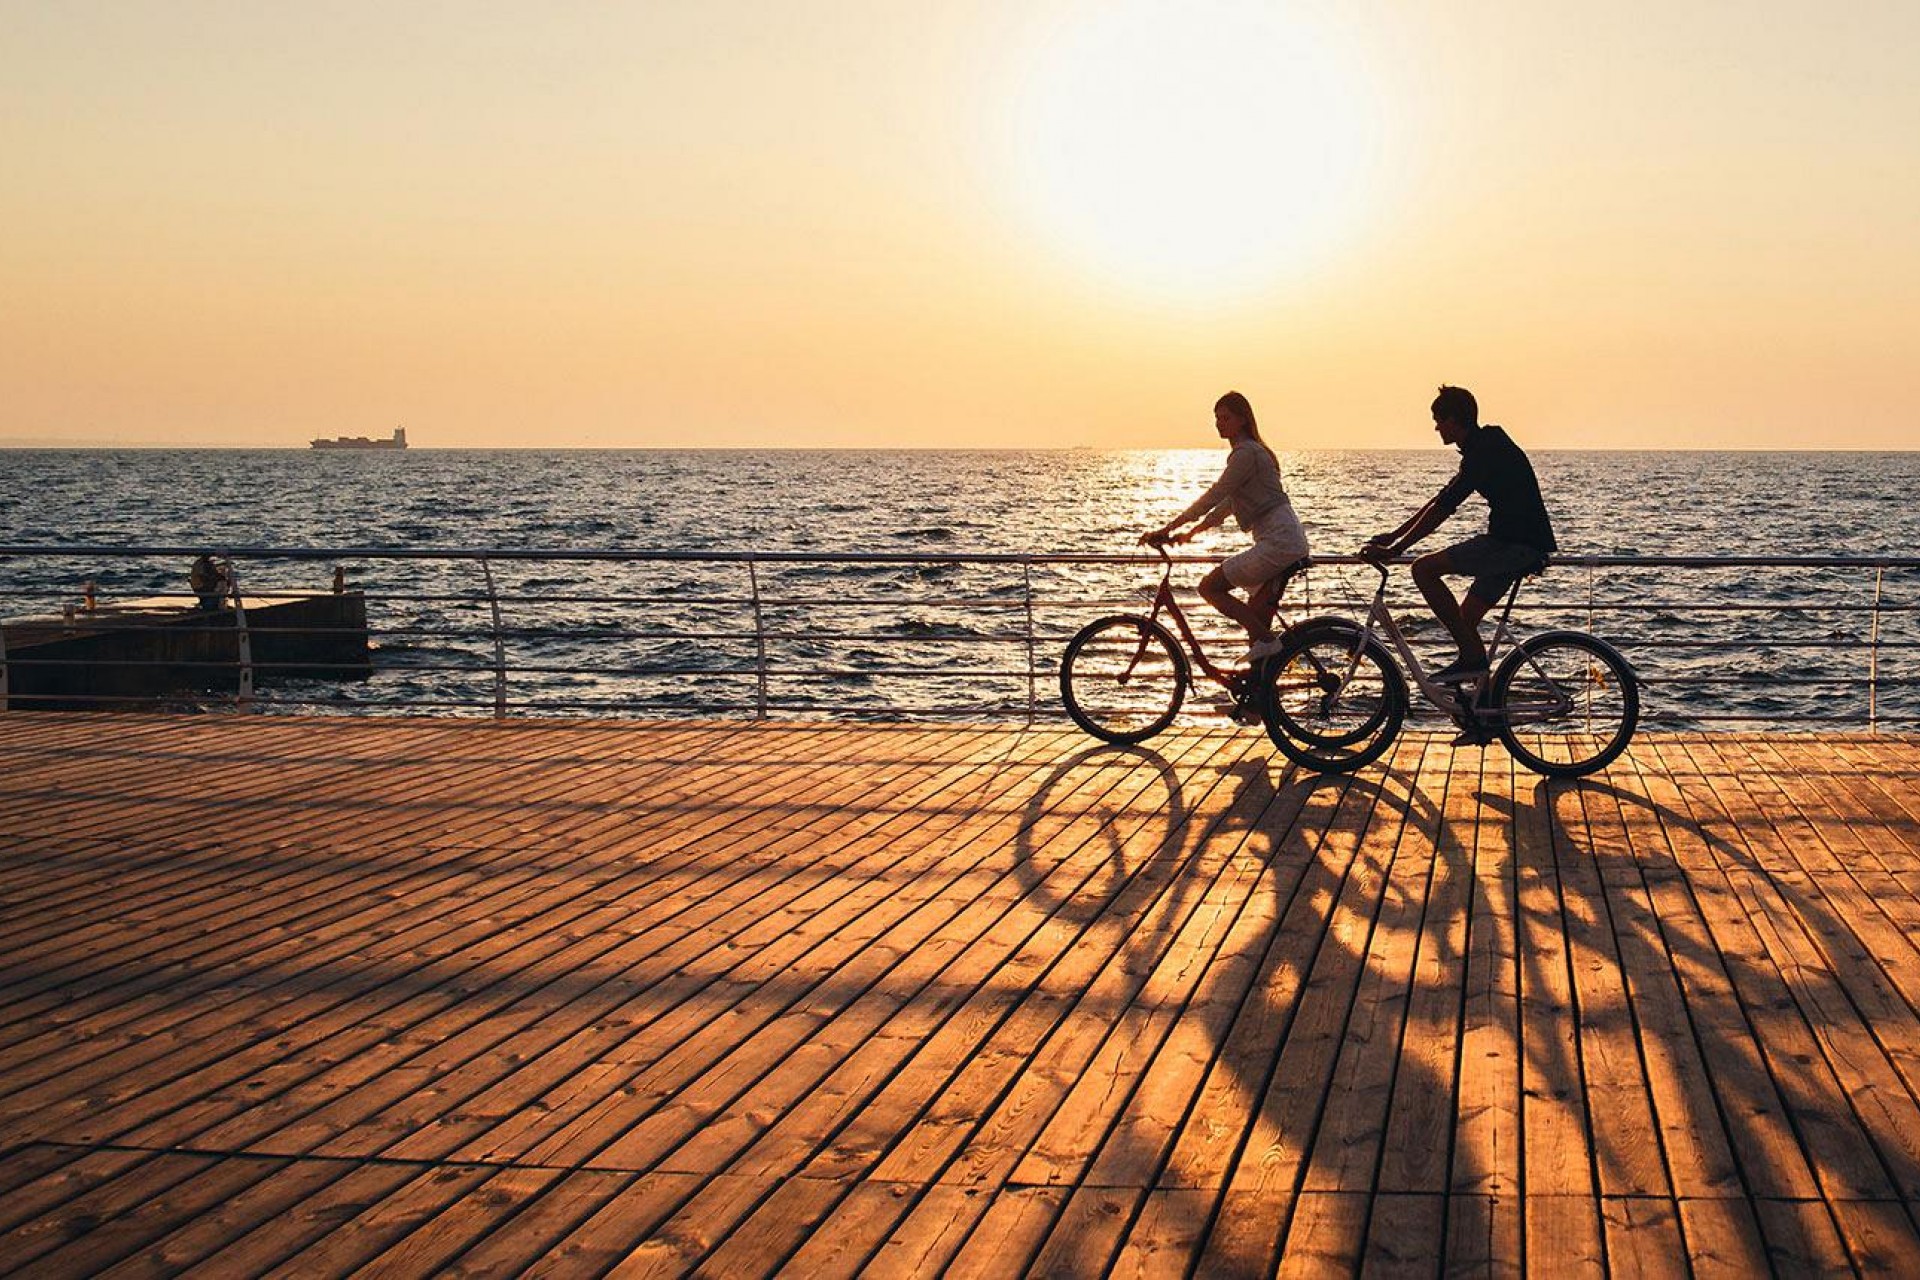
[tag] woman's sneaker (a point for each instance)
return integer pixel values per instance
(1261, 650)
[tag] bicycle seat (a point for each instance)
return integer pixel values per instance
(1286, 575)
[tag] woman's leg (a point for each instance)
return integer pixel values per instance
(1216, 591)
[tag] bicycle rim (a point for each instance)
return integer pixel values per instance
(1568, 704)
(1123, 678)
(1330, 702)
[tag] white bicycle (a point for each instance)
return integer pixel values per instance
(1564, 702)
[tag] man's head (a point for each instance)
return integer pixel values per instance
(1456, 414)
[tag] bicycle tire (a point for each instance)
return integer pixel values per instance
(1332, 727)
(1123, 678)
(1554, 679)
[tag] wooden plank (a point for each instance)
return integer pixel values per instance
(131, 1227)
(1486, 1168)
(1327, 1234)
(1322, 946)
(623, 1224)
(1880, 1236)
(266, 1242)
(699, 1051)
(1008, 1235)
(1802, 1239)
(1723, 1237)
(1629, 1157)
(559, 1011)
(1644, 1236)
(1860, 1124)
(1021, 983)
(280, 1187)
(1692, 1133)
(1483, 1235)
(554, 1212)
(1117, 1118)
(1405, 1235)
(1245, 1233)
(845, 1245)
(1417, 1150)
(973, 961)
(350, 885)
(1349, 1143)
(1769, 1158)
(1166, 1237)
(352, 1019)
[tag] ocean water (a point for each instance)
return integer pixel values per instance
(607, 637)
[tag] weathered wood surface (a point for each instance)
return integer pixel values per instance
(432, 996)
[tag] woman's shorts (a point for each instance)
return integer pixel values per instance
(1278, 540)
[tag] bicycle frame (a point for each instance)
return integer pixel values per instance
(1381, 622)
(1164, 600)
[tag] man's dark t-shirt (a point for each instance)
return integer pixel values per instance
(1493, 466)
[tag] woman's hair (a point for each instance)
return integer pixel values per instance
(1237, 403)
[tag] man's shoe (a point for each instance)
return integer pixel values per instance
(1474, 736)
(1460, 670)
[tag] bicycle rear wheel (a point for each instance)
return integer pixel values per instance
(1332, 699)
(1123, 678)
(1567, 703)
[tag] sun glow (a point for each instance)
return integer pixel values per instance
(1195, 149)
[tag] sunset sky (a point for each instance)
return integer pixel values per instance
(973, 223)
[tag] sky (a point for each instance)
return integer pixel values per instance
(978, 223)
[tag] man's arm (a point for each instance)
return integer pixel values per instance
(1417, 526)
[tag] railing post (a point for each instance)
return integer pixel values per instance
(3, 668)
(759, 640)
(1873, 653)
(242, 638)
(1026, 568)
(499, 645)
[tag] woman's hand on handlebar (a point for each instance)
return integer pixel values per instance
(1377, 551)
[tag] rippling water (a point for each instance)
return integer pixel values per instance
(916, 638)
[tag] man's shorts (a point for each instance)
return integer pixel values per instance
(1495, 565)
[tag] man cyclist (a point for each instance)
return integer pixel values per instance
(1519, 534)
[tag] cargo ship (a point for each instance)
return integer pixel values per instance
(399, 441)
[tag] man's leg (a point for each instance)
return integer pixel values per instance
(1462, 624)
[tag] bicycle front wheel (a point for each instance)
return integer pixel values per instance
(1567, 703)
(1123, 678)
(1332, 699)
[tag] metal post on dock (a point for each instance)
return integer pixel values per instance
(1873, 653)
(1026, 568)
(499, 645)
(242, 638)
(759, 640)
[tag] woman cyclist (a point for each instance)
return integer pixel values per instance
(1250, 490)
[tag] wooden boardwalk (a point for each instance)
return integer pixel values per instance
(433, 996)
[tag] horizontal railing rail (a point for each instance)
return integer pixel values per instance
(1803, 639)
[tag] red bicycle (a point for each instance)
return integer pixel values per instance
(1124, 676)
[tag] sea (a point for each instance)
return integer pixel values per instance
(863, 632)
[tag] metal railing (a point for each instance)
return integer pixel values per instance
(1806, 640)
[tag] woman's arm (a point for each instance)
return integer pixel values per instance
(1214, 504)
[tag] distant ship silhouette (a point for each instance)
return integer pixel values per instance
(399, 441)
